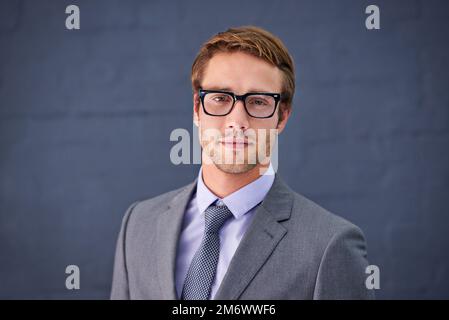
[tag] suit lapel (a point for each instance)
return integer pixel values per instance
(169, 225)
(259, 241)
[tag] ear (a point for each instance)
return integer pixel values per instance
(286, 112)
(196, 109)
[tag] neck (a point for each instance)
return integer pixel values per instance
(223, 184)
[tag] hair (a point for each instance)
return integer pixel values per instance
(256, 42)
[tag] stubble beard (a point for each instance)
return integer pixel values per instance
(240, 159)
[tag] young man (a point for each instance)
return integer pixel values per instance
(238, 231)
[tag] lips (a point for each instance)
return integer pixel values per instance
(231, 141)
(234, 141)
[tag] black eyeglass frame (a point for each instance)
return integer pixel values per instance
(277, 97)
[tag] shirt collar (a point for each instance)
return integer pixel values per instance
(239, 202)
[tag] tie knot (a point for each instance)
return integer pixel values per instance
(215, 217)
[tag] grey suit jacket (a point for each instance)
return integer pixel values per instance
(293, 249)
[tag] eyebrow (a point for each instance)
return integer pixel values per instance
(229, 89)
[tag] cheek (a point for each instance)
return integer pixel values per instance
(207, 121)
(265, 131)
(210, 129)
(262, 127)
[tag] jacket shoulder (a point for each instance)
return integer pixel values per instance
(336, 248)
(148, 208)
(319, 219)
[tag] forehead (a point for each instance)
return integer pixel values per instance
(241, 72)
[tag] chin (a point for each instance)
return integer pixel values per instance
(235, 168)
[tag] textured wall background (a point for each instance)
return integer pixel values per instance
(85, 119)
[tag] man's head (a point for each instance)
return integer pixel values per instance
(240, 61)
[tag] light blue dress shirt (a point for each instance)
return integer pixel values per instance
(242, 204)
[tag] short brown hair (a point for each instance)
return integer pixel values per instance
(256, 42)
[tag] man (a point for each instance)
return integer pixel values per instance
(238, 231)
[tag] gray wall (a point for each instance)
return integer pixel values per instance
(85, 119)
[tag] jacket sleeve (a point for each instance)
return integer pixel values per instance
(120, 289)
(341, 274)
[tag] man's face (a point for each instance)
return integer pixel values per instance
(239, 73)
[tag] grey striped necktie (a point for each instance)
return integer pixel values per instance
(201, 273)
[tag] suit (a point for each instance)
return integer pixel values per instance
(293, 249)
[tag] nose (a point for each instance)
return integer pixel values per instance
(238, 118)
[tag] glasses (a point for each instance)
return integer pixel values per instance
(221, 103)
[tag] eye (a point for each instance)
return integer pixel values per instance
(220, 98)
(258, 102)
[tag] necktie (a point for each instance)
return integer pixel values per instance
(201, 273)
